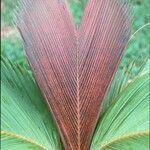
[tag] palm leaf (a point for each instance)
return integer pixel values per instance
(16, 142)
(129, 114)
(139, 141)
(125, 75)
(24, 111)
(121, 80)
(74, 67)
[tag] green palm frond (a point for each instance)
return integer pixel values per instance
(139, 141)
(8, 139)
(122, 79)
(128, 114)
(24, 111)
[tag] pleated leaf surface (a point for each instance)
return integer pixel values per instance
(127, 119)
(74, 66)
(23, 111)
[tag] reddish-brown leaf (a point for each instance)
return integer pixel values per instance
(74, 67)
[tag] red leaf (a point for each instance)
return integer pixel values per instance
(74, 67)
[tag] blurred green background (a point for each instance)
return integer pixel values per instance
(137, 50)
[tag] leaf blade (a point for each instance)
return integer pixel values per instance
(74, 67)
(122, 114)
(23, 110)
(13, 141)
(136, 141)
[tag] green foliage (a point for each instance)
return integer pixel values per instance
(7, 8)
(127, 115)
(77, 9)
(24, 111)
(18, 142)
(138, 48)
(131, 142)
(122, 79)
(12, 48)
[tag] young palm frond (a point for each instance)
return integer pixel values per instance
(74, 67)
